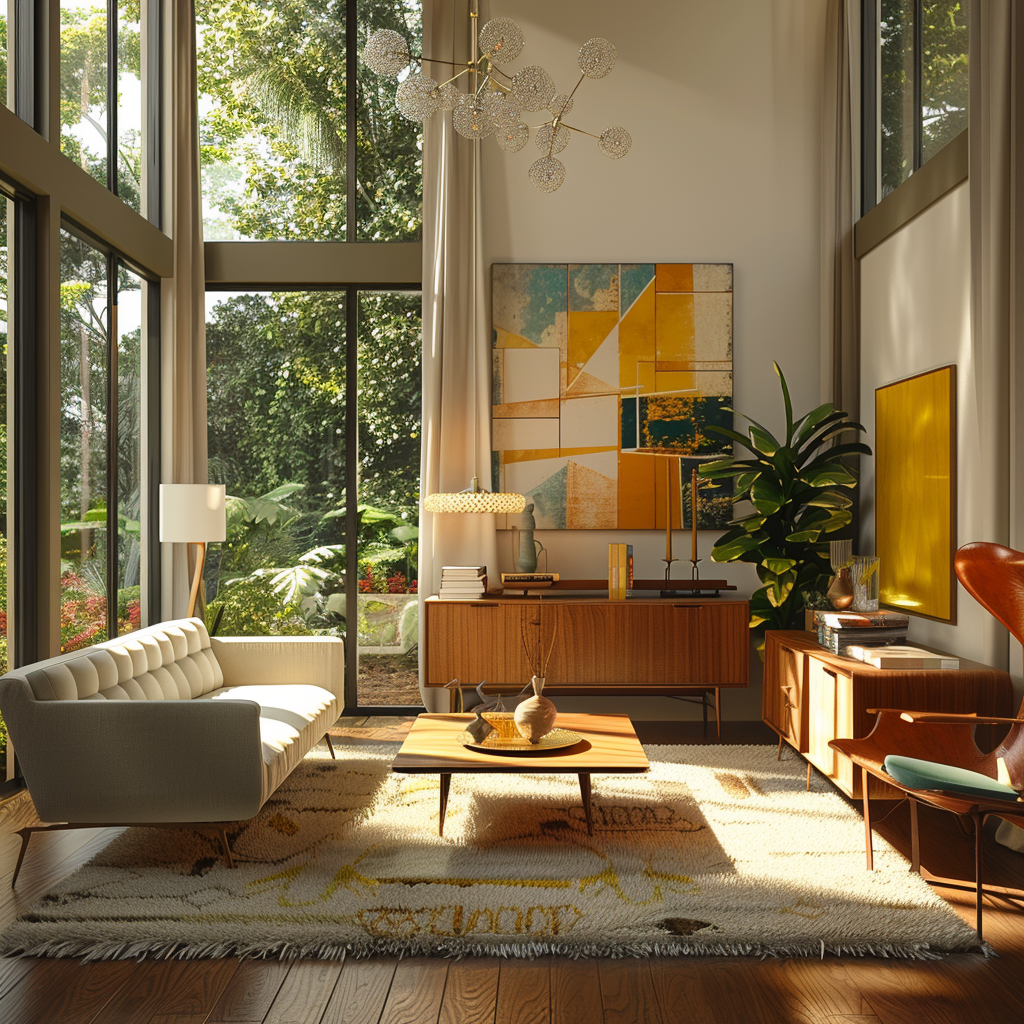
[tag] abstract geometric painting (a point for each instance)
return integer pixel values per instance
(597, 367)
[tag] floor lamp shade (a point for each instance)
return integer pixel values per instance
(192, 513)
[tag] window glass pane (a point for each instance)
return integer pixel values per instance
(6, 89)
(943, 73)
(896, 60)
(6, 305)
(129, 103)
(389, 402)
(272, 118)
(276, 429)
(83, 444)
(389, 199)
(83, 84)
(129, 450)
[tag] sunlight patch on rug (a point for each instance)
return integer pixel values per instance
(717, 850)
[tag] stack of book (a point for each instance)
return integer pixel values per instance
(620, 571)
(463, 582)
(838, 631)
(898, 656)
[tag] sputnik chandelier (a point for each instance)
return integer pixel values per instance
(497, 99)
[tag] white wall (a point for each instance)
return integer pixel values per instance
(723, 103)
(915, 316)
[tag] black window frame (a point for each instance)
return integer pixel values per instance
(870, 133)
(151, 389)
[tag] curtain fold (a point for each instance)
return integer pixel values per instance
(991, 92)
(456, 438)
(840, 338)
(183, 303)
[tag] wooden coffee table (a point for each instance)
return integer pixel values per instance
(609, 746)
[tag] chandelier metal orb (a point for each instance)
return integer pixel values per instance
(498, 99)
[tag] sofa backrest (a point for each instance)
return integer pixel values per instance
(170, 661)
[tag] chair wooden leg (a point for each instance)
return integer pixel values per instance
(779, 755)
(915, 839)
(868, 844)
(26, 835)
(979, 839)
(810, 768)
(330, 745)
(718, 711)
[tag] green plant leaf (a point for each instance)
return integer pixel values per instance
(766, 495)
(830, 499)
(733, 436)
(829, 475)
(788, 401)
(730, 550)
(781, 588)
(804, 427)
(764, 442)
(779, 565)
(839, 519)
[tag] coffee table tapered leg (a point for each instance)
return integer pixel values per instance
(446, 781)
(587, 810)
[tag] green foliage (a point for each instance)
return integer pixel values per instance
(273, 129)
(797, 487)
(944, 81)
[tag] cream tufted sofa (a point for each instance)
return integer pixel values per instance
(166, 725)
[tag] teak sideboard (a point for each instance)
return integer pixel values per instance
(641, 646)
(811, 696)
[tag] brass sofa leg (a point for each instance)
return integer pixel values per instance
(226, 847)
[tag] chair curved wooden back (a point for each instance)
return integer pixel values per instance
(994, 576)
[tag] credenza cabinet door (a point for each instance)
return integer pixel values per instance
(622, 644)
(469, 641)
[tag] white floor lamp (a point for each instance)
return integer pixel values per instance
(193, 514)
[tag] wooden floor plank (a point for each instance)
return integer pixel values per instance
(471, 992)
(680, 992)
(575, 992)
(305, 992)
(739, 989)
(68, 992)
(153, 985)
(627, 993)
(250, 993)
(417, 992)
(524, 992)
(361, 992)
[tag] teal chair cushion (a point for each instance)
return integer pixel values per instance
(916, 774)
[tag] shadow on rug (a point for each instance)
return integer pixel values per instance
(717, 850)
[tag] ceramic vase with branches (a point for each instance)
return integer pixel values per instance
(535, 716)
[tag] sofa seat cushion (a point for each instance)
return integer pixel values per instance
(293, 717)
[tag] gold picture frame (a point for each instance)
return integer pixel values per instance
(915, 493)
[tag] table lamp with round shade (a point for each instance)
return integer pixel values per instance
(193, 514)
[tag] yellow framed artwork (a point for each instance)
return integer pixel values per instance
(915, 493)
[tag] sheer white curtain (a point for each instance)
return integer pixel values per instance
(456, 341)
(840, 343)
(183, 302)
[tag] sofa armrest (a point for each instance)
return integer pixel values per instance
(259, 660)
(124, 762)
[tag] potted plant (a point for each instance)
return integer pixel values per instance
(797, 487)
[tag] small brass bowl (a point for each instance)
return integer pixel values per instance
(503, 723)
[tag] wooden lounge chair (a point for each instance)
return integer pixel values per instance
(934, 758)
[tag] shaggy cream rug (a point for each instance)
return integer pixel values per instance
(718, 850)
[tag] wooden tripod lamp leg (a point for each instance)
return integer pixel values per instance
(197, 579)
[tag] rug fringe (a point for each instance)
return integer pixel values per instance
(90, 951)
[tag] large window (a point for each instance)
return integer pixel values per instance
(281, 391)
(916, 87)
(6, 361)
(314, 395)
(104, 67)
(274, 124)
(102, 415)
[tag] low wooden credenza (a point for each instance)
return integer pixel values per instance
(811, 696)
(641, 646)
